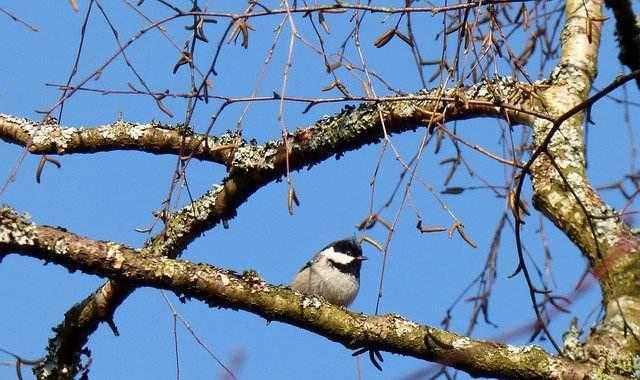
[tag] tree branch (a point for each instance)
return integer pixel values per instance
(563, 192)
(51, 138)
(252, 166)
(502, 98)
(221, 288)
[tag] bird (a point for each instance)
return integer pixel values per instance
(333, 273)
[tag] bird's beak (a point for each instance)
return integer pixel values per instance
(362, 258)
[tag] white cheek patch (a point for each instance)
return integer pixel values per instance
(337, 257)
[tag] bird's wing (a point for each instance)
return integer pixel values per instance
(314, 259)
(305, 266)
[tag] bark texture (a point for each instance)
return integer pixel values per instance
(247, 291)
(553, 108)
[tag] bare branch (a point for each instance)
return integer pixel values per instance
(253, 166)
(221, 288)
(500, 98)
(46, 138)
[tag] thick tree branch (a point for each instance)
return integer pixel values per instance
(252, 166)
(564, 194)
(221, 288)
(501, 98)
(48, 138)
(562, 191)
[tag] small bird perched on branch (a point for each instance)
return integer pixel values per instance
(333, 273)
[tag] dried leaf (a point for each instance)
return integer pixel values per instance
(164, 108)
(459, 228)
(448, 160)
(323, 23)
(439, 139)
(337, 85)
(240, 27)
(292, 199)
(453, 190)
(374, 243)
(244, 27)
(374, 356)
(39, 168)
(367, 223)
(43, 160)
(386, 224)
(198, 25)
(429, 229)
(343, 89)
(404, 38)
(452, 171)
(463, 235)
(385, 38)
(330, 86)
(185, 58)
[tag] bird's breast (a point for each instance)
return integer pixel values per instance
(335, 286)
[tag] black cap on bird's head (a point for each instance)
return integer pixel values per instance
(350, 247)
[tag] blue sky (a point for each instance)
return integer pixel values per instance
(107, 195)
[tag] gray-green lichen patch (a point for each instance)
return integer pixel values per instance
(573, 348)
(615, 361)
(137, 130)
(461, 342)
(354, 126)
(119, 128)
(403, 326)
(50, 134)
(61, 247)
(224, 279)
(201, 209)
(623, 314)
(257, 284)
(497, 90)
(615, 351)
(564, 75)
(114, 254)
(310, 301)
(14, 120)
(249, 156)
(607, 227)
(15, 229)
